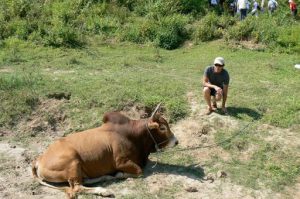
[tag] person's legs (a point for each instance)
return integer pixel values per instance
(243, 13)
(214, 103)
(207, 93)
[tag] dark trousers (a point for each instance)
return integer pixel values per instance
(243, 13)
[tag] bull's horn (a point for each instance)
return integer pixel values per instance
(155, 110)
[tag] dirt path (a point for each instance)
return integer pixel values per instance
(160, 180)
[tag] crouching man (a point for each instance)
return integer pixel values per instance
(215, 82)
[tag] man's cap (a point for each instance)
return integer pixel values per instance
(220, 61)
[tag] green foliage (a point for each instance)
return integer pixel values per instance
(161, 22)
(274, 32)
(12, 50)
(243, 30)
(171, 32)
(208, 28)
(160, 8)
(290, 39)
(141, 32)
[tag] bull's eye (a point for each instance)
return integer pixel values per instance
(162, 128)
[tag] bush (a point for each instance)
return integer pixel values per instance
(242, 31)
(159, 8)
(139, 32)
(171, 32)
(290, 38)
(12, 49)
(18, 28)
(209, 28)
(168, 33)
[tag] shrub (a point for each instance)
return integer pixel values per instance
(12, 51)
(18, 28)
(167, 33)
(158, 8)
(242, 31)
(171, 32)
(290, 38)
(139, 32)
(208, 29)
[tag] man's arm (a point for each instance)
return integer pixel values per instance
(206, 83)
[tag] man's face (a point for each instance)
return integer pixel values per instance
(218, 68)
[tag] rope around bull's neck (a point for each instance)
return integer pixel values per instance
(155, 143)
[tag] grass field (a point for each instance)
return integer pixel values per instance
(264, 90)
(264, 86)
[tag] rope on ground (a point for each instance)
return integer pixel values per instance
(208, 146)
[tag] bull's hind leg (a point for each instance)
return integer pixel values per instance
(74, 176)
(76, 179)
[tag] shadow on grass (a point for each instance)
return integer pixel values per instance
(238, 112)
(191, 171)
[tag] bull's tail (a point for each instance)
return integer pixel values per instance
(34, 169)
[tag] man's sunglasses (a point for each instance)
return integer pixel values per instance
(219, 65)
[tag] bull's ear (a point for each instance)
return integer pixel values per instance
(153, 125)
(155, 110)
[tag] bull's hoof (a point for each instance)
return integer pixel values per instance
(107, 194)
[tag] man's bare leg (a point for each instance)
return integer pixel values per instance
(207, 97)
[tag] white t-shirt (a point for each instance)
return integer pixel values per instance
(213, 2)
(242, 4)
(255, 4)
(272, 4)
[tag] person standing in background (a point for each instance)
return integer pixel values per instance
(255, 8)
(272, 6)
(242, 7)
(293, 7)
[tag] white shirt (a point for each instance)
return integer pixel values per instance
(255, 4)
(214, 2)
(242, 4)
(272, 3)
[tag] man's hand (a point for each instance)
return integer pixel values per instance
(219, 90)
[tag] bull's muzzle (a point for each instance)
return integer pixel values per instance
(172, 142)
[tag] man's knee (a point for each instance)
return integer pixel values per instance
(218, 97)
(206, 90)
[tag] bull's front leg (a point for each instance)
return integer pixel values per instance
(128, 167)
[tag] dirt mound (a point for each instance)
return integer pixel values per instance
(48, 118)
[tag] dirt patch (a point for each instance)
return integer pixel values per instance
(136, 111)
(48, 118)
(6, 70)
(251, 45)
(160, 180)
(287, 138)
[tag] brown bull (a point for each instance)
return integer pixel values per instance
(119, 147)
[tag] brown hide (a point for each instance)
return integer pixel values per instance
(119, 145)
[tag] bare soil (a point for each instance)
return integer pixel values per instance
(159, 181)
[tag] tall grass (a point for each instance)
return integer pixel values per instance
(166, 24)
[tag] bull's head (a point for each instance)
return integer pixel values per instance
(160, 131)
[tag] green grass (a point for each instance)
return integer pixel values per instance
(106, 76)
(263, 85)
(269, 164)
